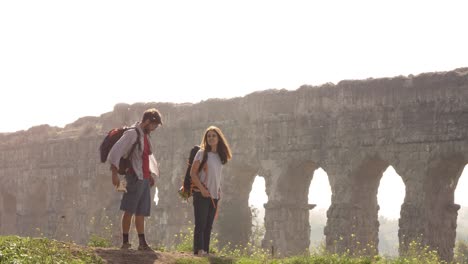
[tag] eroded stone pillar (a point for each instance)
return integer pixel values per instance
(352, 224)
(413, 222)
(173, 216)
(7, 213)
(287, 211)
(8, 199)
(442, 211)
(429, 215)
(287, 228)
(234, 223)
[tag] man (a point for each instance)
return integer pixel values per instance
(137, 200)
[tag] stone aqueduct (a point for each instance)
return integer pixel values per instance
(51, 181)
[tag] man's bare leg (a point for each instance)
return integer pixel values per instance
(140, 224)
(140, 228)
(126, 222)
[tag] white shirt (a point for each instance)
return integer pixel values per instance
(212, 180)
(123, 146)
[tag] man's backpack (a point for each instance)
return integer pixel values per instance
(111, 138)
(186, 190)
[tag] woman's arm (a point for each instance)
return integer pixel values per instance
(196, 178)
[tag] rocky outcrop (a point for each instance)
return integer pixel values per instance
(51, 180)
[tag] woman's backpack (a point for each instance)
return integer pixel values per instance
(186, 190)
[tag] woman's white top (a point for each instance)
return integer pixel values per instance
(211, 176)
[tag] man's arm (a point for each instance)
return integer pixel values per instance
(115, 177)
(154, 169)
(119, 150)
(154, 166)
(122, 147)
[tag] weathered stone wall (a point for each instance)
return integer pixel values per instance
(51, 178)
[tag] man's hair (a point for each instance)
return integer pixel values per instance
(153, 115)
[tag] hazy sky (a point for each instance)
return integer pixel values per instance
(61, 60)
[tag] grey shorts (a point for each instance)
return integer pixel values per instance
(137, 199)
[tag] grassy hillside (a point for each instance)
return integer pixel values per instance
(15, 249)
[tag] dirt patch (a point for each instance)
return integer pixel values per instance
(131, 256)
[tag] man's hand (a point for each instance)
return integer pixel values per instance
(115, 180)
(151, 181)
(115, 177)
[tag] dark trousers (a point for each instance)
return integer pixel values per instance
(204, 212)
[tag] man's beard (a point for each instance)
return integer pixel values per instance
(146, 130)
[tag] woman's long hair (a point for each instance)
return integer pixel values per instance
(224, 151)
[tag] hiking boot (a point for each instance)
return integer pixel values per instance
(126, 246)
(144, 247)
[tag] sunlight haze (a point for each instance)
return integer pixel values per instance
(62, 60)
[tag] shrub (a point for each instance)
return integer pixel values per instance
(184, 241)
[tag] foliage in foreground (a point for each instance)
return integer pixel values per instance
(14, 249)
(250, 254)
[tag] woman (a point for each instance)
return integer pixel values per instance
(207, 177)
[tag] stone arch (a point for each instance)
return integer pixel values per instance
(390, 196)
(318, 194)
(257, 200)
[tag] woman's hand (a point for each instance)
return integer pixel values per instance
(205, 193)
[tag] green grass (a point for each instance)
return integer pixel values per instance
(308, 259)
(97, 241)
(250, 254)
(192, 261)
(14, 249)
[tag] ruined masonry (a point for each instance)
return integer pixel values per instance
(52, 182)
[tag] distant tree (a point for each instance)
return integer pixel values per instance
(258, 228)
(388, 236)
(462, 224)
(317, 221)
